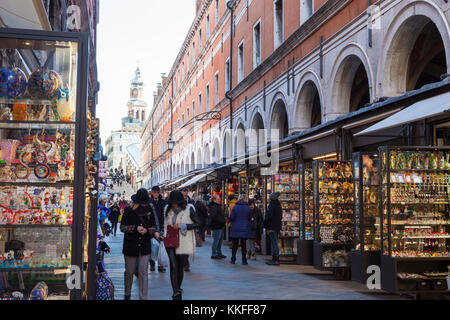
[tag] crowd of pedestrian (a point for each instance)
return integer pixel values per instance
(179, 222)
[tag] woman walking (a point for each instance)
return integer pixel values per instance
(256, 221)
(240, 228)
(113, 217)
(140, 225)
(180, 223)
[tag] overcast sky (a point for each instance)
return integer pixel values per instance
(148, 31)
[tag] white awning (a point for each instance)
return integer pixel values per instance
(195, 179)
(179, 180)
(24, 14)
(420, 110)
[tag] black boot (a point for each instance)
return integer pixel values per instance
(127, 298)
(275, 261)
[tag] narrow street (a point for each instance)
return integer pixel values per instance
(219, 280)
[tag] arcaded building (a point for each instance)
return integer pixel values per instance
(299, 66)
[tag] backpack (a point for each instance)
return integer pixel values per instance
(105, 287)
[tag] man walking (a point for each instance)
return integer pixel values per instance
(158, 204)
(272, 223)
(217, 225)
(202, 214)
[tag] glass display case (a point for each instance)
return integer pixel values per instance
(366, 245)
(415, 197)
(42, 160)
(306, 241)
(286, 182)
(333, 214)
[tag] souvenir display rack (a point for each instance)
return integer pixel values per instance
(333, 214)
(286, 182)
(243, 182)
(415, 208)
(43, 109)
(306, 241)
(366, 246)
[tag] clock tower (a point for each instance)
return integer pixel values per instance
(136, 106)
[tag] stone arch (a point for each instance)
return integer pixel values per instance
(352, 82)
(192, 161)
(239, 140)
(199, 162)
(227, 145)
(206, 156)
(258, 134)
(419, 34)
(215, 155)
(309, 103)
(279, 119)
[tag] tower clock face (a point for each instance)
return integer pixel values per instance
(134, 93)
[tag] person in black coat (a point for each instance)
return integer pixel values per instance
(217, 224)
(272, 223)
(158, 204)
(256, 222)
(139, 224)
(113, 217)
(202, 213)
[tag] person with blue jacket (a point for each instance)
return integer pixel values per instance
(240, 228)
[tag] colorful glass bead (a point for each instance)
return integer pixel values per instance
(13, 82)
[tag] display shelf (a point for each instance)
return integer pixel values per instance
(43, 129)
(285, 181)
(12, 124)
(333, 234)
(35, 226)
(366, 249)
(419, 175)
(38, 184)
(40, 269)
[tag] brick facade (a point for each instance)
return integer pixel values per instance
(327, 65)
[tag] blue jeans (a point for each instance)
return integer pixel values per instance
(217, 242)
(274, 243)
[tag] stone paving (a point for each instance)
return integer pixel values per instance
(220, 280)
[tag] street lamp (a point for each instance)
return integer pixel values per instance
(170, 144)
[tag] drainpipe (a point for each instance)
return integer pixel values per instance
(227, 94)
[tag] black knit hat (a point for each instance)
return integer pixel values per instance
(141, 197)
(176, 197)
(156, 188)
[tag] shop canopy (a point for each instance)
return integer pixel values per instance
(178, 180)
(424, 109)
(196, 179)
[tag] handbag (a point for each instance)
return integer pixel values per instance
(172, 239)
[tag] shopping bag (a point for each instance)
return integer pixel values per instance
(155, 249)
(163, 258)
(120, 218)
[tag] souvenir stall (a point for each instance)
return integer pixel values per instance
(366, 245)
(243, 183)
(43, 80)
(333, 214)
(231, 187)
(306, 241)
(257, 191)
(415, 197)
(286, 182)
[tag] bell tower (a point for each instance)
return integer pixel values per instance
(136, 106)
